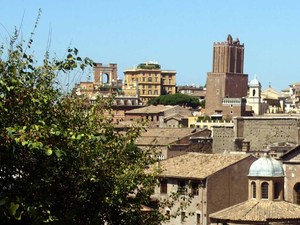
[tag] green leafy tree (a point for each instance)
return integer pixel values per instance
(202, 104)
(176, 99)
(61, 160)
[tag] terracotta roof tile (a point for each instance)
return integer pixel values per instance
(254, 210)
(164, 136)
(150, 109)
(198, 165)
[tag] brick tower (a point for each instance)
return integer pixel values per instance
(226, 85)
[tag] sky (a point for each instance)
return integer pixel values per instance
(178, 34)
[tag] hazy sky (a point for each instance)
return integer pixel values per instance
(179, 34)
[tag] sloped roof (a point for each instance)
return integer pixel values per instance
(270, 93)
(291, 154)
(175, 116)
(150, 109)
(258, 211)
(296, 84)
(198, 165)
(164, 136)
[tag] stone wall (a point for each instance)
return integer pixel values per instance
(223, 139)
(261, 131)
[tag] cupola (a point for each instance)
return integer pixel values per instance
(266, 179)
(254, 82)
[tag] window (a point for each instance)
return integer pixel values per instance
(149, 79)
(253, 188)
(155, 92)
(276, 190)
(149, 86)
(253, 92)
(195, 188)
(170, 81)
(297, 194)
(182, 216)
(198, 218)
(156, 79)
(164, 187)
(149, 92)
(264, 190)
(168, 214)
(181, 187)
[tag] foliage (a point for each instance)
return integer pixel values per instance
(148, 66)
(62, 162)
(203, 118)
(175, 99)
(202, 104)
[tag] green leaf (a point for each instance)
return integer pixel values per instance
(58, 153)
(3, 200)
(13, 208)
(48, 151)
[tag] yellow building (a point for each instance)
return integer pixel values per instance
(147, 80)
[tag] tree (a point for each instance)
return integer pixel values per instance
(62, 162)
(176, 99)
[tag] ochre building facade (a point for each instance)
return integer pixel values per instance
(148, 81)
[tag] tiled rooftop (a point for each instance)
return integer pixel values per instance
(198, 165)
(150, 109)
(163, 136)
(263, 210)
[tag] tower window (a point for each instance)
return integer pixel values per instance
(168, 214)
(198, 218)
(195, 188)
(253, 92)
(253, 188)
(181, 187)
(297, 194)
(182, 216)
(264, 190)
(164, 187)
(276, 190)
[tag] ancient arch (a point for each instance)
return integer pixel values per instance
(105, 75)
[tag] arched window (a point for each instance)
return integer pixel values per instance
(297, 194)
(264, 190)
(253, 188)
(253, 92)
(277, 190)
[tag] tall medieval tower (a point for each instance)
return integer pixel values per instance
(226, 85)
